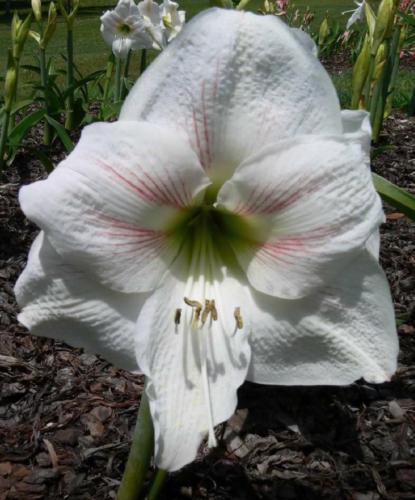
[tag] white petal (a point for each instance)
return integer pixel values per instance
(334, 337)
(356, 127)
(60, 302)
(306, 41)
(313, 203)
(107, 208)
(121, 46)
(245, 81)
(191, 392)
(151, 10)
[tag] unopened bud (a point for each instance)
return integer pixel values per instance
(50, 26)
(20, 30)
(323, 32)
(37, 10)
(384, 23)
(10, 82)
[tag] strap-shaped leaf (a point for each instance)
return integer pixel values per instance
(21, 129)
(62, 133)
(395, 196)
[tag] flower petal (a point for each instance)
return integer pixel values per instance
(60, 302)
(312, 203)
(245, 81)
(339, 334)
(193, 373)
(107, 208)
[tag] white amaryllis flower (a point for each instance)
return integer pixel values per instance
(124, 29)
(358, 14)
(163, 22)
(224, 229)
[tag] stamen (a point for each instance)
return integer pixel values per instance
(238, 318)
(197, 306)
(206, 311)
(213, 310)
(177, 316)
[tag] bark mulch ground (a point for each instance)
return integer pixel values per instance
(66, 416)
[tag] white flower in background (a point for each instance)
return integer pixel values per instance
(358, 14)
(143, 26)
(123, 29)
(224, 232)
(173, 19)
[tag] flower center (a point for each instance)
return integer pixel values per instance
(205, 233)
(124, 29)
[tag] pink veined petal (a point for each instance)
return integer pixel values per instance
(59, 301)
(342, 332)
(311, 204)
(108, 207)
(245, 82)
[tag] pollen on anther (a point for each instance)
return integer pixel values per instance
(177, 316)
(238, 318)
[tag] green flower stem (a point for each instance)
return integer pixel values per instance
(17, 66)
(158, 484)
(47, 131)
(3, 136)
(124, 88)
(141, 451)
(117, 93)
(69, 121)
(143, 61)
(368, 84)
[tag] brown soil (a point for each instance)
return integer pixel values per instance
(66, 417)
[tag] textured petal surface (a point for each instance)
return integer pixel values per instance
(193, 374)
(60, 302)
(245, 81)
(106, 208)
(341, 333)
(310, 202)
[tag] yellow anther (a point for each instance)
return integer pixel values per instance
(238, 318)
(197, 306)
(177, 316)
(206, 311)
(193, 303)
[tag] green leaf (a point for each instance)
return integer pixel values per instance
(20, 105)
(44, 158)
(20, 130)
(395, 196)
(62, 133)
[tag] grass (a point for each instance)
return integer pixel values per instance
(91, 52)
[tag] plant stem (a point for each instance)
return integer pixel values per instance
(44, 82)
(117, 94)
(69, 122)
(157, 484)
(368, 85)
(143, 61)
(3, 136)
(140, 455)
(124, 88)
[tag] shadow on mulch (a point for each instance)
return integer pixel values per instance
(66, 417)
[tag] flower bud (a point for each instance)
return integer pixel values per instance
(360, 72)
(37, 10)
(323, 31)
(384, 23)
(50, 27)
(10, 82)
(20, 30)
